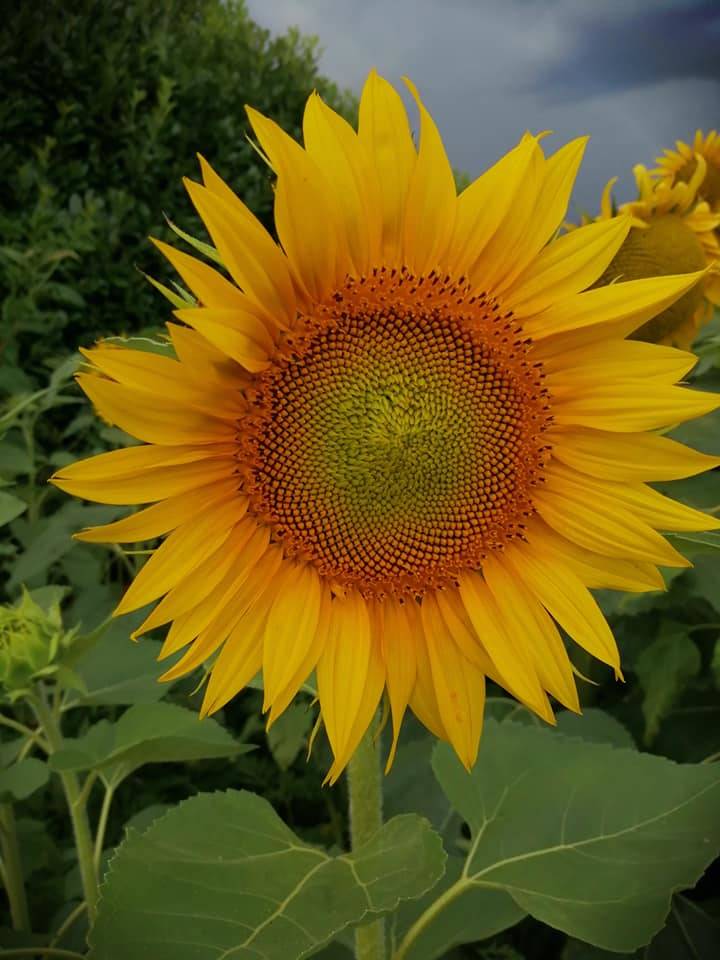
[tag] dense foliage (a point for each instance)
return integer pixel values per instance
(102, 107)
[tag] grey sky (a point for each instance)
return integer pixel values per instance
(634, 75)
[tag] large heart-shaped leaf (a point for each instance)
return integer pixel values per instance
(222, 876)
(585, 837)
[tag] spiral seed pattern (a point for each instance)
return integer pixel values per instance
(398, 435)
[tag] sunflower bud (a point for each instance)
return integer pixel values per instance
(30, 639)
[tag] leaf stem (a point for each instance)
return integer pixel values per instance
(67, 923)
(12, 869)
(41, 952)
(427, 917)
(75, 798)
(102, 826)
(365, 795)
(34, 735)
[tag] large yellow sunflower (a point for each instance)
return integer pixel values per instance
(672, 231)
(397, 447)
(680, 165)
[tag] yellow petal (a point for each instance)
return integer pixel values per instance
(628, 456)
(385, 132)
(532, 630)
(202, 360)
(600, 523)
(507, 243)
(615, 360)
(209, 286)
(183, 551)
(244, 547)
(239, 335)
(252, 257)
(342, 671)
(307, 664)
(161, 517)
(626, 406)
(367, 708)
(632, 301)
(153, 374)
(423, 701)
(459, 686)
(483, 205)
(431, 199)
(658, 511)
(220, 593)
(516, 673)
(343, 161)
(398, 650)
(143, 474)
(305, 217)
(595, 571)
(566, 266)
(154, 419)
(553, 196)
(239, 661)
(566, 599)
(247, 608)
(290, 628)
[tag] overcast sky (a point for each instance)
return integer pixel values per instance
(634, 75)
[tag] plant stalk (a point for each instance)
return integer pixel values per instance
(12, 869)
(76, 807)
(365, 793)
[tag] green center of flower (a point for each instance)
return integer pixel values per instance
(666, 246)
(397, 438)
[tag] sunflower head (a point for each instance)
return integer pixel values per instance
(672, 232)
(397, 445)
(681, 164)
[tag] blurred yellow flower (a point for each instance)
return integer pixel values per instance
(680, 165)
(672, 232)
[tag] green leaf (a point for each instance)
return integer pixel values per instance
(587, 838)
(289, 734)
(702, 434)
(476, 913)
(695, 542)
(117, 670)
(146, 733)
(690, 934)
(14, 460)
(49, 540)
(221, 875)
(205, 248)
(594, 725)
(410, 785)
(10, 507)
(664, 669)
(22, 779)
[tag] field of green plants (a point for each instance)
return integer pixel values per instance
(106, 776)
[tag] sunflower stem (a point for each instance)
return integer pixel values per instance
(365, 793)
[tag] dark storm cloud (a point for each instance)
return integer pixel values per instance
(611, 50)
(490, 69)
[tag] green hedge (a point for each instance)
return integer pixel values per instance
(103, 106)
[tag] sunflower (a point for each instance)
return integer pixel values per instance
(399, 446)
(672, 231)
(679, 165)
